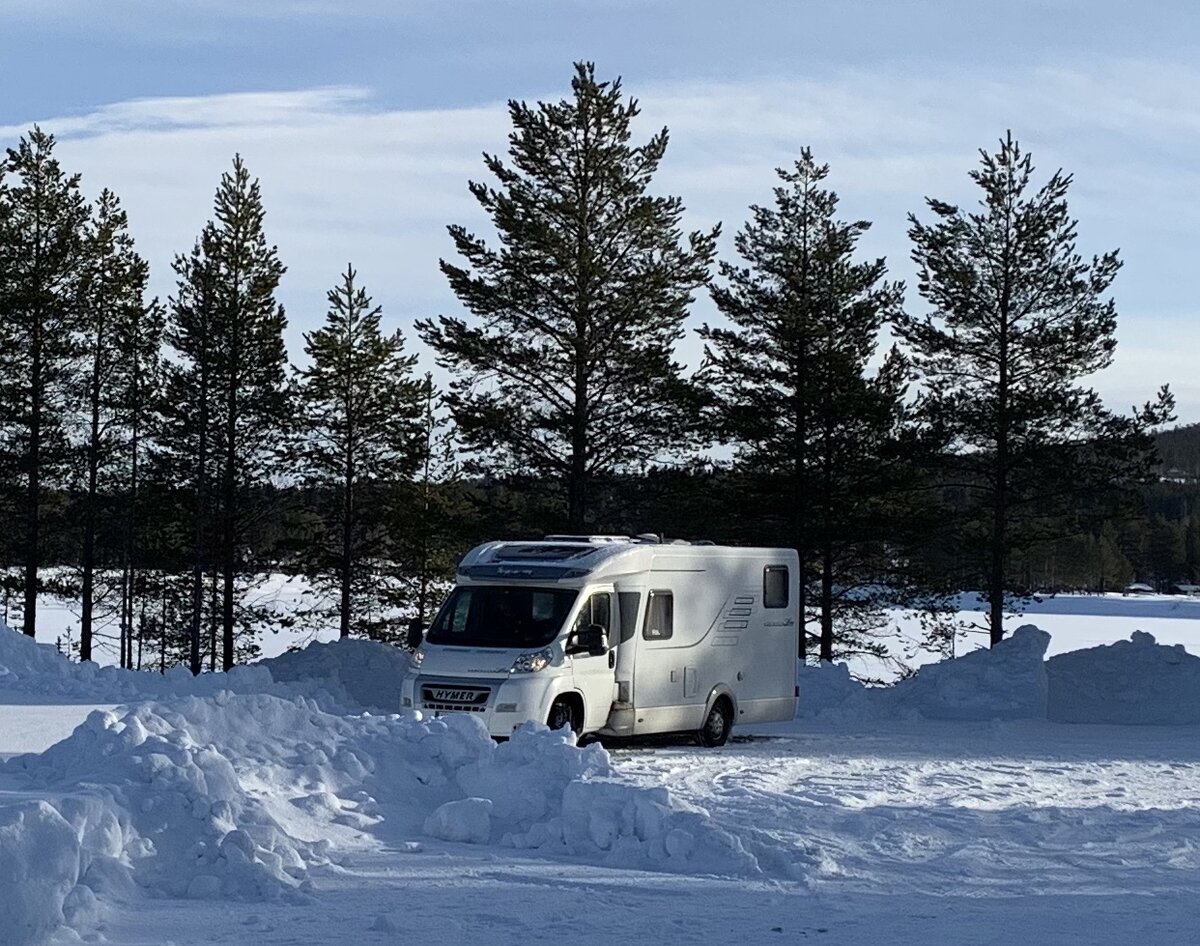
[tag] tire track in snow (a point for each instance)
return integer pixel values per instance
(934, 810)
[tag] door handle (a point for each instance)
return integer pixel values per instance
(612, 659)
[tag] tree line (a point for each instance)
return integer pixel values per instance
(159, 457)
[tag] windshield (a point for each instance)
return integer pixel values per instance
(487, 616)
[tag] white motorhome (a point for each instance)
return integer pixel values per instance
(614, 636)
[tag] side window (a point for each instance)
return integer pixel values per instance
(660, 616)
(458, 617)
(775, 586)
(598, 610)
(629, 601)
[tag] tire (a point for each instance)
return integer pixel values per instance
(717, 724)
(563, 712)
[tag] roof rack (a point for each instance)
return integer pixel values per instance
(590, 539)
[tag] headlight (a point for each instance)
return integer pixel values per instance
(415, 658)
(532, 663)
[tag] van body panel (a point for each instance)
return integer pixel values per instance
(684, 623)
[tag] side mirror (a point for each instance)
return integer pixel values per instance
(593, 639)
(415, 634)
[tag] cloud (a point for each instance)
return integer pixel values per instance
(232, 112)
(347, 178)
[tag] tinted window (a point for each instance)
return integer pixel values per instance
(630, 601)
(501, 617)
(660, 616)
(775, 586)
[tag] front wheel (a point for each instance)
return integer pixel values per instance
(563, 713)
(717, 724)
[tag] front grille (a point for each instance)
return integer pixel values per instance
(450, 696)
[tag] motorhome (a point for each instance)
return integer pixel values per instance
(614, 636)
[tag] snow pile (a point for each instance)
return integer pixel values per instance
(1007, 681)
(41, 671)
(1136, 681)
(39, 867)
(540, 792)
(348, 676)
(828, 690)
(362, 674)
(150, 790)
(238, 796)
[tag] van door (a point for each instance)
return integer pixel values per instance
(595, 676)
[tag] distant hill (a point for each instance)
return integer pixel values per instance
(1179, 450)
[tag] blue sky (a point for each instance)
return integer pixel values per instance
(364, 121)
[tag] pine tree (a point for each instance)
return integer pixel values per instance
(227, 403)
(42, 222)
(184, 435)
(566, 375)
(812, 428)
(432, 516)
(120, 341)
(359, 432)
(1018, 320)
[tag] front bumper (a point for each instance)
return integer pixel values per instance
(501, 703)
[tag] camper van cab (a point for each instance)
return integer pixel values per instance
(613, 636)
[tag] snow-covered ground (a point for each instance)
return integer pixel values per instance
(266, 807)
(1074, 622)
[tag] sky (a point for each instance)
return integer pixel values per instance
(365, 119)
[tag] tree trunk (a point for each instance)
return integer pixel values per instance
(996, 571)
(162, 645)
(229, 554)
(577, 487)
(346, 562)
(827, 605)
(214, 600)
(89, 522)
(33, 486)
(201, 510)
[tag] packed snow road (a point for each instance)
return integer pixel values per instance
(905, 834)
(953, 809)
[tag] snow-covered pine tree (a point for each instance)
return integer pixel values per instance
(813, 429)
(565, 373)
(43, 217)
(359, 432)
(1019, 319)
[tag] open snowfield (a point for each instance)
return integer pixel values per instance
(949, 809)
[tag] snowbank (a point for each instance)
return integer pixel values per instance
(1135, 682)
(1007, 681)
(357, 673)
(39, 867)
(238, 796)
(38, 672)
(827, 690)
(349, 676)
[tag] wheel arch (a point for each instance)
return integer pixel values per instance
(575, 698)
(721, 690)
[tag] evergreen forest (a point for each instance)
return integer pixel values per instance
(161, 460)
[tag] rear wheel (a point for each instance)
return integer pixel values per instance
(563, 712)
(717, 724)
